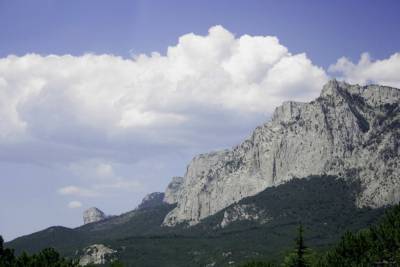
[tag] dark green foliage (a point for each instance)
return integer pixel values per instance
(1, 245)
(301, 256)
(376, 245)
(325, 206)
(46, 258)
(117, 264)
(7, 258)
(258, 264)
(300, 260)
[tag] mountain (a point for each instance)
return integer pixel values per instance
(261, 226)
(93, 214)
(152, 200)
(349, 131)
(173, 190)
(331, 164)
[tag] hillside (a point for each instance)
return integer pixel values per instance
(325, 205)
(349, 131)
(331, 164)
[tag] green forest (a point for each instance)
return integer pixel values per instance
(378, 245)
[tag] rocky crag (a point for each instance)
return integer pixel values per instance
(173, 190)
(92, 215)
(350, 131)
(152, 200)
(97, 254)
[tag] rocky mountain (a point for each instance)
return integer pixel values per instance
(173, 190)
(152, 200)
(349, 131)
(96, 254)
(93, 214)
(257, 227)
(331, 164)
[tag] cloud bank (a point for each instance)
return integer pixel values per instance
(366, 71)
(89, 114)
(204, 81)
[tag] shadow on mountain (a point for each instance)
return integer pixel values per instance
(258, 227)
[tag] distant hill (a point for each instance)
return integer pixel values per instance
(257, 227)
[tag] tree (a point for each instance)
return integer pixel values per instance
(1, 245)
(48, 257)
(117, 264)
(301, 256)
(377, 245)
(301, 249)
(258, 264)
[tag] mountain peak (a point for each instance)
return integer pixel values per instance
(350, 131)
(93, 214)
(173, 190)
(332, 88)
(152, 200)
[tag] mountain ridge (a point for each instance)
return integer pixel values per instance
(332, 164)
(337, 134)
(325, 205)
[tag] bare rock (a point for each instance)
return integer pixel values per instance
(243, 213)
(350, 131)
(97, 254)
(93, 215)
(152, 200)
(173, 190)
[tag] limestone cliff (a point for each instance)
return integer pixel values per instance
(173, 190)
(93, 215)
(97, 254)
(152, 200)
(350, 131)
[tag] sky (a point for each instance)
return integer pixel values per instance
(102, 102)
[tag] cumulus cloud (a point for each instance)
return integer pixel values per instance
(92, 116)
(74, 204)
(102, 101)
(72, 190)
(93, 113)
(367, 71)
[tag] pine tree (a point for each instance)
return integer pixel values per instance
(300, 249)
(301, 256)
(1, 245)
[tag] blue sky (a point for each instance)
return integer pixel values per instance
(325, 30)
(104, 120)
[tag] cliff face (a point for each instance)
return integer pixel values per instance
(93, 215)
(96, 254)
(350, 131)
(173, 190)
(152, 200)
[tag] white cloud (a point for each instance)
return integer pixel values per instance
(366, 71)
(104, 170)
(98, 178)
(72, 190)
(110, 104)
(93, 113)
(74, 204)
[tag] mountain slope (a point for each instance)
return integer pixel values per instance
(325, 205)
(350, 131)
(246, 202)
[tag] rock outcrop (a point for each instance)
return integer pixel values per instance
(173, 190)
(152, 200)
(350, 131)
(97, 254)
(93, 215)
(244, 213)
